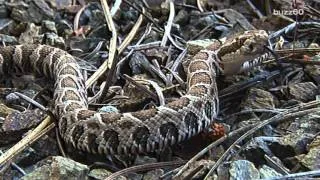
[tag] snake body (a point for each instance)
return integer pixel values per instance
(130, 132)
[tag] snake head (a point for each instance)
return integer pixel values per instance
(244, 47)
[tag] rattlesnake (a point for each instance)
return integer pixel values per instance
(141, 131)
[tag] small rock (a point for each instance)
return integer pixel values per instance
(291, 144)
(137, 62)
(257, 148)
(159, 54)
(31, 31)
(267, 172)
(234, 17)
(28, 157)
(19, 12)
(202, 22)
(49, 26)
(259, 99)
(12, 98)
(151, 37)
(315, 143)
(304, 91)
(16, 121)
(94, 16)
(5, 92)
(154, 174)
(223, 171)
(44, 8)
(97, 32)
(60, 4)
(53, 39)
(3, 12)
(8, 39)
(307, 124)
(314, 72)
(57, 167)
(182, 17)
(312, 159)
(133, 176)
(108, 109)
(243, 169)
(99, 173)
(34, 11)
(46, 146)
(144, 160)
(158, 6)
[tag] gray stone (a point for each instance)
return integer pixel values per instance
(108, 109)
(182, 17)
(312, 159)
(99, 173)
(53, 39)
(243, 170)
(57, 167)
(33, 11)
(295, 143)
(49, 26)
(154, 174)
(267, 172)
(144, 160)
(8, 39)
(304, 91)
(259, 99)
(31, 31)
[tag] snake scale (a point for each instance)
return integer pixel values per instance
(133, 132)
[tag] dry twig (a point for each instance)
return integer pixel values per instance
(255, 10)
(169, 24)
(112, 50)
(300, 175)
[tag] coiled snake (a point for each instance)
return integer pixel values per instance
(141, 131)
